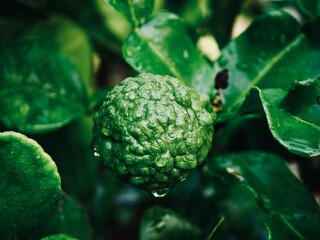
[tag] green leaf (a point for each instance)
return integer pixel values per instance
(36, 4)
(95, 19)
(70, 147)
(97, 98)
(70, 218)
(191, 11)
(59, 237)
(69, 39)
(303, 101)
(290, 210)
(30, 185)
(40, 89)
(293, 118)
(219, 10)
(227, 139)
(11, 27)
(162, 46)
(310, 7)
(270, 54)
(160, 223)
(135, 11)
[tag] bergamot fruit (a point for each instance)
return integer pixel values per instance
(153, 130)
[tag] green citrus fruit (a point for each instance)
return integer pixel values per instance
(153, 130)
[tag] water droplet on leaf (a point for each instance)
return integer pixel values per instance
(185, 53)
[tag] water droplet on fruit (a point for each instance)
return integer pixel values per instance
(160, 192)
(96, 154)
(95, 151)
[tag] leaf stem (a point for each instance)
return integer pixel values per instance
(291, 227)
(134, 18)
(216, 227)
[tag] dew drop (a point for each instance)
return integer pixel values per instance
(183, 179)
(160, 192)
(95, 151)
(185, 53)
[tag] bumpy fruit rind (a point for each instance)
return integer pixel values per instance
(153, 130)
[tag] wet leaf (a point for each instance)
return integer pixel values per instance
(97, 97)
(93, 16)
(310, 7)
(136, 12)
(160, 223)
(275, 189)
(293, 118)
(30, 185)
(237, 136)
(70, 40)
(69, 218)
(221, 9)
(162, 46)
(70, 147)
(59, 237)
(40, 89)
(270, 54)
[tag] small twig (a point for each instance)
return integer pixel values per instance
(216, 227)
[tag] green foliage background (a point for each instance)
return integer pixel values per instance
(58, 59)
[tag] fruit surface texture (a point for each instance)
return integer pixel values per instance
(153, 130)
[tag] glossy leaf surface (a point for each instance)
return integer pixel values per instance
(93, 16)
(70, 147)
(310, 7)
(30, 185)
(293, 118)
(135, 11)
(69, 218)
(70, 40)
(275, 189)
(40, 89)
(268, 57)
(162, 46)
(161, 223)
(221, 9)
